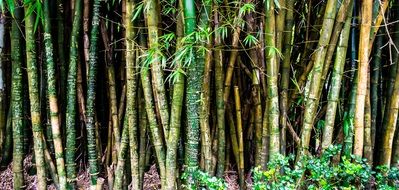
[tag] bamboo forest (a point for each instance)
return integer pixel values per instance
(199, 94)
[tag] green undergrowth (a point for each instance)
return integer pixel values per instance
(312, 172)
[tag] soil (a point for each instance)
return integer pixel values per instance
(151, 179)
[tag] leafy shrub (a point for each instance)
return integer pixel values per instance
(202, 180)
(311, 172)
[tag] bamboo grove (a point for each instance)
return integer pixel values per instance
(114, 87)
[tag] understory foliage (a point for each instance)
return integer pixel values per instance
(201, 88)
(313, 172)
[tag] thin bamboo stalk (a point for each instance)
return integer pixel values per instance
(70, 115)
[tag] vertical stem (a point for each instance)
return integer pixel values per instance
(153, 21)
(285, 72)
(193, 97)
(362, 77)
(368, 147)
(272, 80)
(91, 96)
(176, 111)
(122, 153)
(131, 98)
(33, 80)
(315, 79)
(70, 117)
(53, 100)
(16, 100)
(220, 104)
(205, 58)
(156, 134)
(335, 86)
(240, 137)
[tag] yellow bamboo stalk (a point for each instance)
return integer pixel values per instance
(362, 76)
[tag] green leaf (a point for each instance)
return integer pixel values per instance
(11, 6)
(246, 9)
(137, 10)
(250, 40)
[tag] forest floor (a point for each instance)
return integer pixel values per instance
(151, 178)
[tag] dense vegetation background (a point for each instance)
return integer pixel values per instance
(199, 88)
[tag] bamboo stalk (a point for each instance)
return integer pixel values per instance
(70, 115)
(131, 96)
(91, 97)
(285, 72)
(311, 103)
(368, 147)
(16, 99)
(205, 57)
(34, 99)
(272, 80)
(336, 81)
(176, 111)
(220, 103)
(362, 77)
(153, 21)
(239, 137)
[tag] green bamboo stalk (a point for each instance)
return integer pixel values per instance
(91, 96)
(285, 71)
(17, 100)
(205, 58)
(362, 77)
(153, 126)
(336, 81)
(131, 90)
(153, 21)
(339, 23)
(220, 104)
(34, 99)
(193, 90)
(53, 100)
(280, 26)
(350, 108)
(70, 116)
(272, 80)
(176, 111)
(315, 80)
(122, 154)
(155, 132)
(374, 91)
